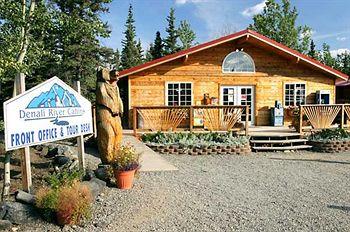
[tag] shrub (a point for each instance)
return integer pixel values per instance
(47, 201)
(63, 178)
(330, 135)
(195, 139)
(126, 159)
(74, 204)
(64, 197)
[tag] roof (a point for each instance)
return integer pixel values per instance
(341, 83)
(241, 34)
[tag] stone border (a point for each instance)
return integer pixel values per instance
(331, 146)
(204, 150)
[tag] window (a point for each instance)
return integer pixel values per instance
(238, 62)
(294, 94)
(179, 94)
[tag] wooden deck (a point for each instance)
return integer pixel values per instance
(272, 131)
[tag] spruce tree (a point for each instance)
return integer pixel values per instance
(327, 58)
(157, 50)
(148, 53)
(140, 58)
(312, 52)
(186, 34)
(130, 53)
(278, 22)
(170, 42)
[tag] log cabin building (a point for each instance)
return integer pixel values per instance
(244, 68)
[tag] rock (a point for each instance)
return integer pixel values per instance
(89, 174)
(96, 186)
(102, 172)
(19, 213)
(5, 225)
(61, 160)
(18, 176)
(25, 197)
(44, 151)
(52, 152)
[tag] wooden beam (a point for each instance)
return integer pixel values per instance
(134, 123)
(186, 58)
(80, 139)
(242, 40)
(25, 153)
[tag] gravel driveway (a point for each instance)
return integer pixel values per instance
(259, 192)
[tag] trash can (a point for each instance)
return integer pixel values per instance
(277, 115)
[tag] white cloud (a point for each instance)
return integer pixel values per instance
(331, 35)
(217, 17)
(334, 53)
(342, 38)
(253, 10)
(181, 2)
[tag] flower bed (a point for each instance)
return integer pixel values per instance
(197, 144)
(330, 141)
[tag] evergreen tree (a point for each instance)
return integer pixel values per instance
(326, 57)
(130, 53)
(140, 59)
(148, 55)
(170, 42)
(157, 50)
(278, 22)
(313, 52)
(343, 62)
(186, 34)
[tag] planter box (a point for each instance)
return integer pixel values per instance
(331, 146)
(205, 150)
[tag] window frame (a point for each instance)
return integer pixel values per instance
(294, 95)
(177, 82)
(230, 72)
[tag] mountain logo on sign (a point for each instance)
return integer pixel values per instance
(56, 97)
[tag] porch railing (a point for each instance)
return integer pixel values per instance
(324, 116)
(191, 118)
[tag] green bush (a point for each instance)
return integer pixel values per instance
(64, 178)
(64, 195)
(330, 135)
(195, 139)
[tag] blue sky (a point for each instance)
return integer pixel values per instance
(329, 19)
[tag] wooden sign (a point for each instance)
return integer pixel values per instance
(48, 112)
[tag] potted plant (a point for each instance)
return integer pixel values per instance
(125, 165)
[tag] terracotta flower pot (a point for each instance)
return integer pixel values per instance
(124, 179)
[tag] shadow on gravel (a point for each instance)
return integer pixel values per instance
(314, 160)
(344, 208)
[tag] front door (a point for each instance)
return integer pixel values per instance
(239, 95)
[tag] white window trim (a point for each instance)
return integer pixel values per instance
(293, 83)
(228, 72)
(176, 82)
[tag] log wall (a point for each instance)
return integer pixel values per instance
(203, 69)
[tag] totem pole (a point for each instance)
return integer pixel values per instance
(109, 108)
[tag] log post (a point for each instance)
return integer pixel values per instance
(301, 119)
(25, 153)
(247, 120)
(80, 139)
(134, 121)
(191, 118)
(342, 116)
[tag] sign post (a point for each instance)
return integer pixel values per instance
(49, 112)
(80, 139)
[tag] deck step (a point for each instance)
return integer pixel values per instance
(298, 147)
(279, 141)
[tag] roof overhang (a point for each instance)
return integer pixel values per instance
(249, 35)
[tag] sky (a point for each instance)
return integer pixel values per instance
(329, 19)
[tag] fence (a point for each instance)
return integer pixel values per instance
(323, 116)
(191, 118)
